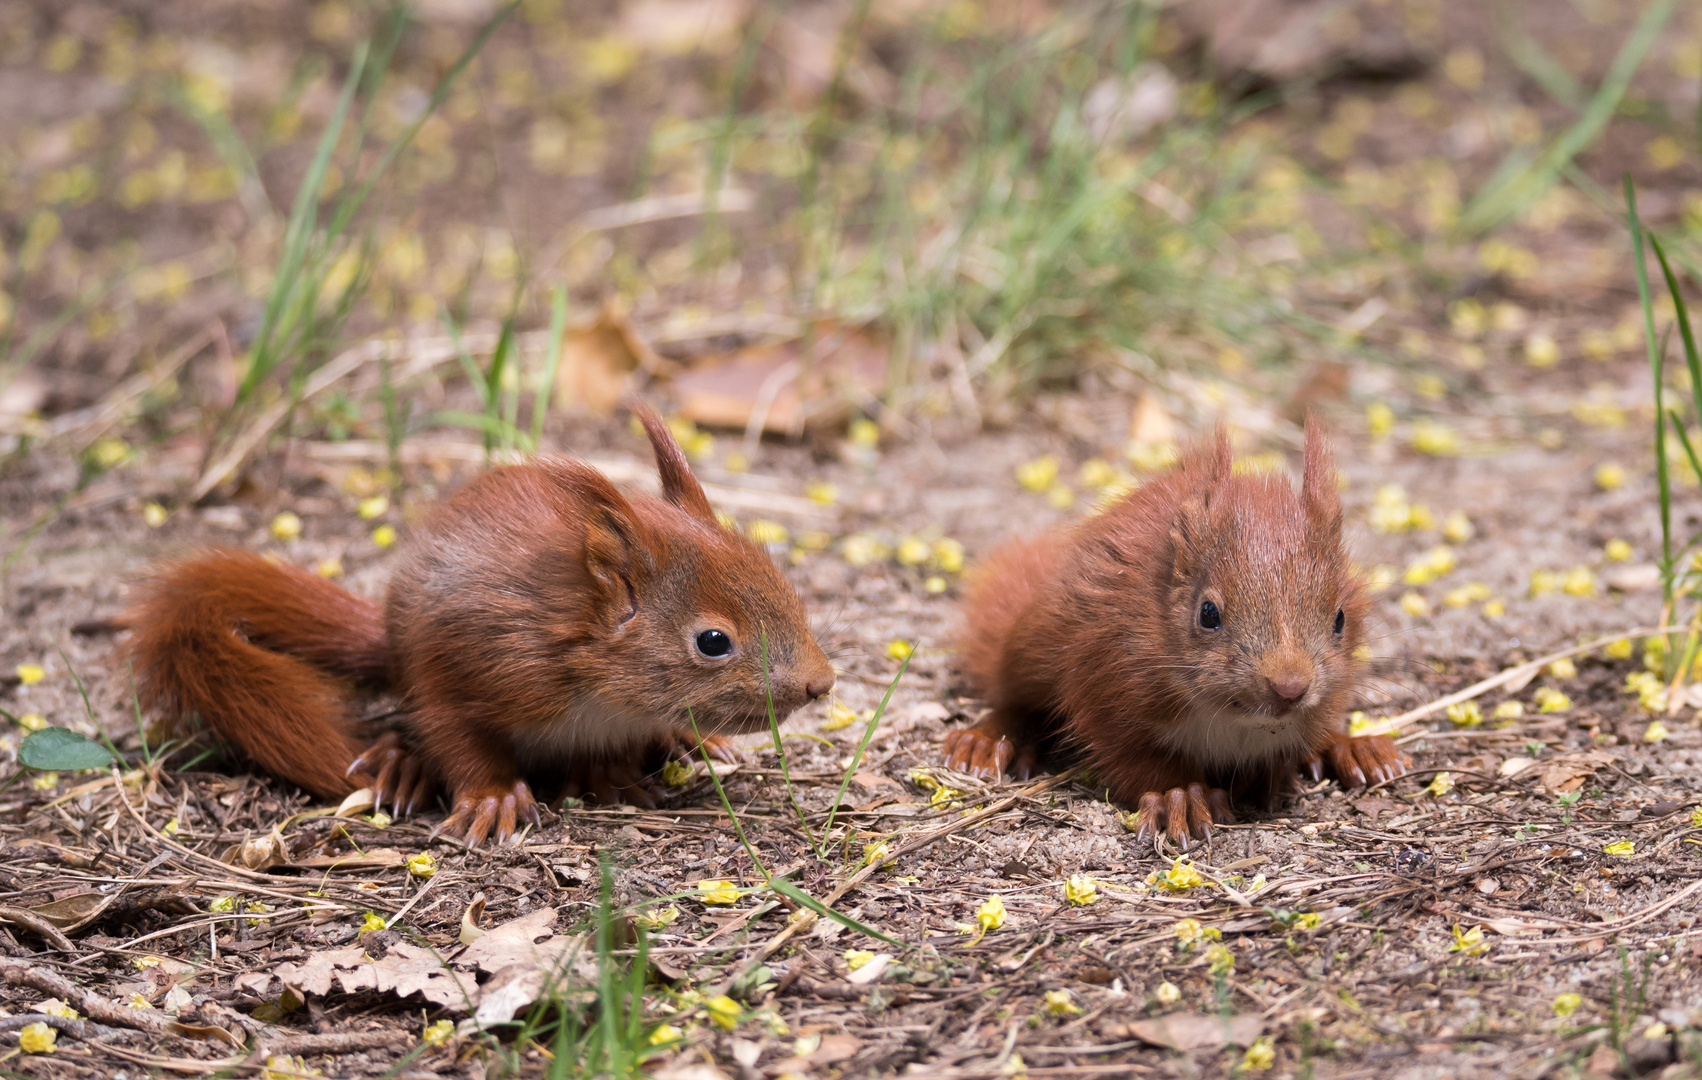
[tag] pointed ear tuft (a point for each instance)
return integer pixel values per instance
(1318, 480)
(1188, 538)
(679, 486)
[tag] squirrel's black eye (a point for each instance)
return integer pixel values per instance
(714, 643)
(1341, 621)
(1209, 617)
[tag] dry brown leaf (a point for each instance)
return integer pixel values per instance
(833, 1049)
(780, 387)
(1193, 1031)
(1569, 771)
(598, 359)
(70, 911)
(374, 859)
(259, 852)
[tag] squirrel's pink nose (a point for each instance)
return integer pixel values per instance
(816, 688)
(1290, 688)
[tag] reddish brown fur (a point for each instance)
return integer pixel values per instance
(539, 619)
(1091, 634)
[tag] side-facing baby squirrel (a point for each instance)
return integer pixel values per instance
(539, 622)
(1196, 640)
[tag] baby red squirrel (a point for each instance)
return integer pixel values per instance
(1193, 641)
(539, 622)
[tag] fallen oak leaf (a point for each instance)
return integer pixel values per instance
(1193, 1031)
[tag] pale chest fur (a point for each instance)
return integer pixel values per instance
(1218, 738)
(588, 727)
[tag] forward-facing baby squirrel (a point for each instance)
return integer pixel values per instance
(540, 622)
(1195, 641)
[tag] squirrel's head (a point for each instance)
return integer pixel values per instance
(698, 614)
(1262, 602)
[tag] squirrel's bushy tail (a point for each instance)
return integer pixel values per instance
(258, 650)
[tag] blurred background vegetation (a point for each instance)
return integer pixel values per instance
(790, 213)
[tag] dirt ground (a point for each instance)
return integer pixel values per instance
(1429, 928)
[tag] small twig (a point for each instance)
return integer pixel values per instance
(17, 973)
(29, 920)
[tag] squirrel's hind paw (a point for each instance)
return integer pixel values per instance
(1184, 814)
(482, 807)
(402, 779)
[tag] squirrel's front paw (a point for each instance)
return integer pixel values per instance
(402, 778)
(1183, 813)
(682, 745)
(987, 754)
(478, 808)
(1358, 760)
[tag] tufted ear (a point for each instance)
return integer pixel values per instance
(1318, 483)
(1206, 466)
(679, 486)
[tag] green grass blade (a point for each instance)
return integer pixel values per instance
(1534, 60)
(792, 892)
(1663, 479)
(298, 234)
(1514, 192)
(1681, 315)
(868, 733)
(552, 363)
(726, 803)
(780, 751)
(1689, 451)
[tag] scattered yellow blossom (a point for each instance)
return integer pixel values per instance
(764, 531)
(1578, 582)
(1149, 455)
(989, 916)
(1457, 528)
(373, 507)
(1167, 993)
(1379, 419)
(1307, 920)
(1219, 960)
(108, 451)
(380, 820)
(372, 923)
(286, 526)
(839, 716)
(1414, 604)
(1437, 562)
(1617, 550)
(1494, 609)
(329, 568)
(1179, 878)
(659, 919)
(676, 773)
(935, 585)
(1440, 786)
(865, 433)
(154, 515)
(664, 1034)
(948, 555)
(223, 904)
(1434, 438)
(1509, 710)
(1567, 1004)
(1189, 933)
(384, 535)
(822, 493)
(1623, 848)
(1059, 1003)
(1038, 475)
(717, 891)
(1260, 1056)
(1696, 818)
(37, 1038)
(1563, 668)
(32, 721)
(856, 958)
(1060, 497)
(30, 674)
(876, 853)
(1543, 582)
(422, 865)
(1655, 732)
(1470, 942)
(1550, 700)
(1362, 651)
(1466, 595)
(913, 551)
(1541, 351)
(899, 650)
(1096, 473)
(861, 549)
(1610, 476)
(1081, 890)
(438, 1034)
(137, 1001)
(56, 1007)
(724, 1011)
(1465, 714)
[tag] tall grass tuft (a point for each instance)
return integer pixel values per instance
(1680, 579)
